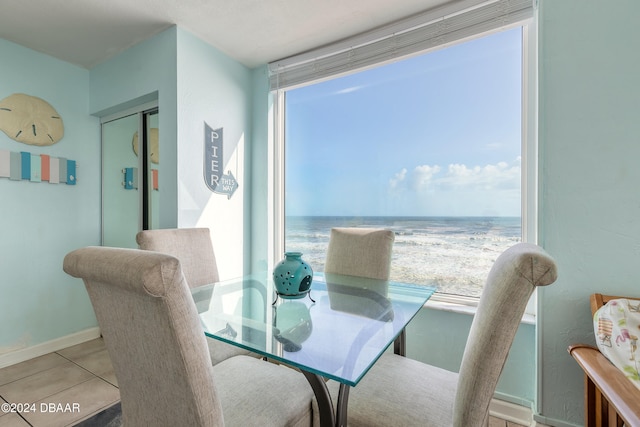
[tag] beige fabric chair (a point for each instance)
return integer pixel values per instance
(399, 391)
(159, 353)
(361, 252)
(193, 247)
(364, 252)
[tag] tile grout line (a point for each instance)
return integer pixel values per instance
(18, 413)
(91, 372)
(93, 376)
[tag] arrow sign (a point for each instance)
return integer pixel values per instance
(227, 185)
(214, 163)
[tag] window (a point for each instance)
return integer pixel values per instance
(430, 147)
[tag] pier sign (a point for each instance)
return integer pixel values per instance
(215, 179)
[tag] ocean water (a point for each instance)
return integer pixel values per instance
(453, 253)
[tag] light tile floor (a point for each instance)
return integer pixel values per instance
(65, 387)
(58, 389)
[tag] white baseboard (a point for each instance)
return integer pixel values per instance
(552, 422)
(47, 347)
(511, 412)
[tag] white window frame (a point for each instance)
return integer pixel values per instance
(529, 170)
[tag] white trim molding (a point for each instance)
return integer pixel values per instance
(514, 413)
(28, 353)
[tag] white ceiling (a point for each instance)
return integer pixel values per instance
(254, 32)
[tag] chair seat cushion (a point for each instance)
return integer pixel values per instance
(220, 351)
(399, 391)
(241, 381)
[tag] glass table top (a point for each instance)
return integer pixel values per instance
(339, 336)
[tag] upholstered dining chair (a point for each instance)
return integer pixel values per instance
(363, 252)
(159, 353)
(193, 247)
(399, 391)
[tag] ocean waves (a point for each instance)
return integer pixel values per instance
(453, 253)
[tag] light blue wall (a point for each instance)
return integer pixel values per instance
(216, 90)
(142, 73)
(259, 160)
(438, 337)
(589, 149)
(41, 222)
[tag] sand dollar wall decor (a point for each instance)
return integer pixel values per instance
(30, 120)
(153, 145)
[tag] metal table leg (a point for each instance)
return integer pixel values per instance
(329, 418)
(400, 344)
(343, 400)
(327, 415)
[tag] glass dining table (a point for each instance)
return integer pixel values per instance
(337, 331)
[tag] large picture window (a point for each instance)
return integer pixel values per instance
(430, 147)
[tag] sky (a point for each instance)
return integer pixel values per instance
(434, 135)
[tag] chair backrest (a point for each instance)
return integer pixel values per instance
(153, 336)
(511, 281)
(364, 252)
(192, 246)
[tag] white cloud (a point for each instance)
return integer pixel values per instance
(456, 189)
(397, 179)
(349, 89)
(423, 176)
(489, 177)
(459, 177)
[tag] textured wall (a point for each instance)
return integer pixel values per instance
(589, 125)
(216, 90)
(41, 222)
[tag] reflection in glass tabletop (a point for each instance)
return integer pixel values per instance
(340, 336)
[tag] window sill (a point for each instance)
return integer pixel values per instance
(465, 305)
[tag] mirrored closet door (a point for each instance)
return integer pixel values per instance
(130, 169)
